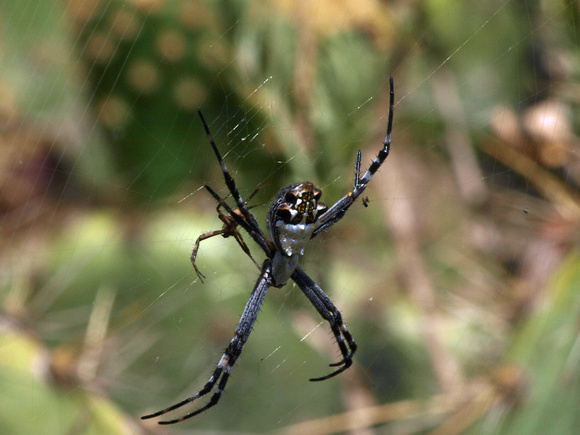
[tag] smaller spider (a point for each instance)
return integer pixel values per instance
(295, 217)
(230, 228)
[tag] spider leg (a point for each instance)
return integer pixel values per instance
(238, 238)
(330, 313)
(228, 229)
(357, 168)
(249, 217)
(200, 239)
(234, 232)
(338, 210)
(256, 190)
(222, 373)
(242, 222)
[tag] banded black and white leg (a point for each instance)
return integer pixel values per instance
(222, 373)
(251, 224)
(339, 209)
(332, 315)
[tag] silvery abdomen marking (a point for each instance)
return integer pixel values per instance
(292, 219)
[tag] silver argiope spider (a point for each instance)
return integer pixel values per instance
(295, 217)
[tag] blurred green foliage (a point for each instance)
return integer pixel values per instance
(473, 297)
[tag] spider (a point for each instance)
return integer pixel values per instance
(294, 218)
(230, 228)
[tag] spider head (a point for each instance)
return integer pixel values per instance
(292, 217)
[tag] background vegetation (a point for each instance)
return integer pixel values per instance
(460, 281)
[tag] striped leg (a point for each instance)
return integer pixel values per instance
(338, 210)
(331, 314)
(254, 228)
(222, 373)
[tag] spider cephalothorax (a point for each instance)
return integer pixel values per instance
(296, 204)
(295, 217)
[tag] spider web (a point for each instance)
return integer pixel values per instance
(459, 280)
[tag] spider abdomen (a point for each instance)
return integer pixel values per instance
(282, 268)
